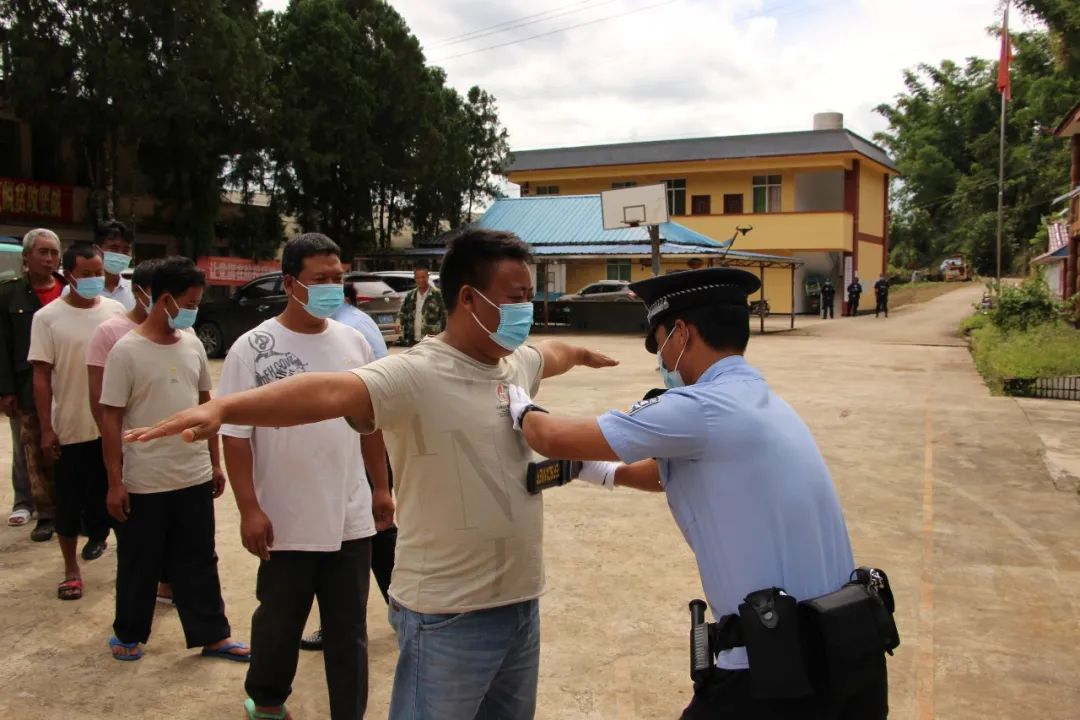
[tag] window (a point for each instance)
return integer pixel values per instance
(766, 193)
(264, 288)
(733, 204)
(701, 205)
(623, 184)
(547, 189)
(676, 196)
(618, 270)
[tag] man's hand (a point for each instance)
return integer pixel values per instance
(599, 472)
(382, 507)
(7, 405)
(50, 444)
(118, 503)
(593, 359)
(199, 423)
(257, 533)
(519, 403)
(219, 482)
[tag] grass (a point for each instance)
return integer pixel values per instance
(1051, 350)
(917, 292)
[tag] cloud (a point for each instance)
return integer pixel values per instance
(649, 69)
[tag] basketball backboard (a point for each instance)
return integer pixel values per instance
(633, 206)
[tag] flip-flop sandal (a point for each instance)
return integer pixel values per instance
(254, 714)
(115, 643)
(166, 600)
(70, 589)
(223, 652)
(18, 517)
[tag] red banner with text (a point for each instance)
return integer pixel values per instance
(234, 271)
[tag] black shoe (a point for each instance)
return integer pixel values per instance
(93, 549)
(43, 531)
(312, 641)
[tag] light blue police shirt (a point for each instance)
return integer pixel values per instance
(360, 320)
(746, 484)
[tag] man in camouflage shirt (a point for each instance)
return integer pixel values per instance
(423, 311)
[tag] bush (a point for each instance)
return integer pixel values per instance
(975, 322)
(1048, 350)
(1025, 306)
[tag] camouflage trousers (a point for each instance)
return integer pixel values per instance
(40, 469)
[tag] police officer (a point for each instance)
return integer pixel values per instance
(854, 290)
(743, 476)
(828, 293)
(881, 296)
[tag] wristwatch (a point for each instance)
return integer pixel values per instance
(528, 409)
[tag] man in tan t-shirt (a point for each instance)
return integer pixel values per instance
(69, 436)
(469, 566)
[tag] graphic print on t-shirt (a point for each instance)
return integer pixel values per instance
(271, 365)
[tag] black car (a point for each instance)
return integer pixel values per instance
(221, 322)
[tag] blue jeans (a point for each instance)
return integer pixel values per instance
(481, 664)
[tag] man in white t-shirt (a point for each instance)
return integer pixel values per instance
(305, 506)
(113, 241)
(469, 567)
(162, 496)
(69, 436)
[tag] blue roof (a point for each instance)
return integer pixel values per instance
(574, 220)
(573, 225)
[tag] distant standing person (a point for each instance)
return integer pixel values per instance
(881, 296)
(113, 240)
(854, 290)
(20, 300)
(423, 311)
(58, 339)
(828, 294)
(163, 497)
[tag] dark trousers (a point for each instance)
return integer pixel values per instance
(827, 309)
(81, 487)
(727, 696)
(170, 530)
(383, 546)
(287, 584)
(882, 306)
(853, 305)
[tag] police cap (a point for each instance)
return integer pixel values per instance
(667, 294)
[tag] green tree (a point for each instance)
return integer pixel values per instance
(943, 132)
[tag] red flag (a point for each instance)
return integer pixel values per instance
(1004, 82)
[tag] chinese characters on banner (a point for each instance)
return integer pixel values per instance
(1059, 235)
(36, 199)
(234, 271)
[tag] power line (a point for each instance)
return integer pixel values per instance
(558, 30)
(506, 26)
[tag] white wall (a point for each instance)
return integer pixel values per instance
(819, 191)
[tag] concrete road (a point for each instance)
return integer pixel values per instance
(944, 486)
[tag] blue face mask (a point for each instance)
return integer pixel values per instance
(116, 263)
(515, 321)
(323, 300)
(672, 379)
(184, 318)
(89, 288)
(149, 304)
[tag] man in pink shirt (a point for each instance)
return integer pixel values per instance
(107, 335)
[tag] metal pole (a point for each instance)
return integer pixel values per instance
(761, 307)
(654, 239)
(1001, 170)
(792, 297)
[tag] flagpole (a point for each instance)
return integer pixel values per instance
(1001, 160)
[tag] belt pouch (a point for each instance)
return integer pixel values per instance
(770, 625)
(843, 636)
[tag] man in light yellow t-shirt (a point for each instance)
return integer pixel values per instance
(469, 566)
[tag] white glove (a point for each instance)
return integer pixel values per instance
(519, 403)
(598, 472)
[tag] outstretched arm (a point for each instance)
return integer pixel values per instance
(298, 400)
(560, 357)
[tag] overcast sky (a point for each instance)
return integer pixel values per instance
(655, 69)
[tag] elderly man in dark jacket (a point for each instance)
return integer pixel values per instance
(19, 300)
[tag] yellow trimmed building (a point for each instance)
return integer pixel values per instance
(819, 196)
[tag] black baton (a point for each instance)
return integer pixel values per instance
(700, 655)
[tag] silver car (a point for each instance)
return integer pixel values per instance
(378, 300)
(602, 291)
(402, 280)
